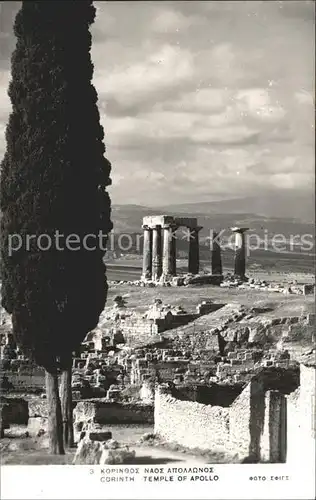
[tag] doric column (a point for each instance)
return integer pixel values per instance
(194, 254)
(240, 251)
(169, 251)
(147, 253)
(173, 252)
(216, 259)
(157, 253)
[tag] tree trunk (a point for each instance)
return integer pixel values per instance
(66, 404)
(55, 427)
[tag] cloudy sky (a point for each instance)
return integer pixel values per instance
(199, 100)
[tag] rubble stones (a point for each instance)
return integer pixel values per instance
(112, 444)
(37, 426)
(102, 453)
(148, 436)
(88, 452)
(233, 282)
(117, 456)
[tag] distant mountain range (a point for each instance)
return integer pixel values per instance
(285, 214)
(285, 204)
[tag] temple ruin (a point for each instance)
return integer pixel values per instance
(159, 252)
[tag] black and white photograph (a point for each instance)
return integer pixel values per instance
(157, 267)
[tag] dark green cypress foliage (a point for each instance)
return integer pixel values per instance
(53, 178)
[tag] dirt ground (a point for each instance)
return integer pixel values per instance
(189, 297)
(18, 449)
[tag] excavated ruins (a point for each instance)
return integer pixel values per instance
(240, 377)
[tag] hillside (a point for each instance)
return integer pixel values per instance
(128, 219)
(299, 206)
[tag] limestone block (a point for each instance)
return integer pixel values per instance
(112, 444)
(177, 281)
(276, 321)
(292, 320)
(117, 456)
(311, 319)
(88, 452)
(85, 411)
(230, 335)
(258, 333)
(99, 435)
(308, 289)
(37, 426)
(232, 355)
(297, 332)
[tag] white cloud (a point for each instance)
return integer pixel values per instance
(167, 68)
(185, 97)
(258, 103)
(305, 97)
(293, 180)
(169, 125)
(170, 20)
(224, 135)
(203, 100)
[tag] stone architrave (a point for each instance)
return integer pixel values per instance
(169, 251)
(157, 253)
(240, 251)
(216, 259)
(147, 253)
(194, 254)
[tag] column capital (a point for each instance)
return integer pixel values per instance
(195, 229)
(146, 227)
(239, 229)
(170, 225)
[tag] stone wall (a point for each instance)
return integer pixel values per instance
(141, 331)
(26, 382)
(273, 440)
(293, 426)
(239, 428)
(263, 329)
(138, 331)
(190, 424)
(103, 412)
(252, 427)
(301, 418)
(213, 394)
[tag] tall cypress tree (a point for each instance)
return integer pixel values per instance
(53, 184)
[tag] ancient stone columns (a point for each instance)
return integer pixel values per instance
(194, 257)
(159, 250)
(216, 259)
(159, 257)
(147, 252)
(169, 251)
(240, 251)
(157, 253)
